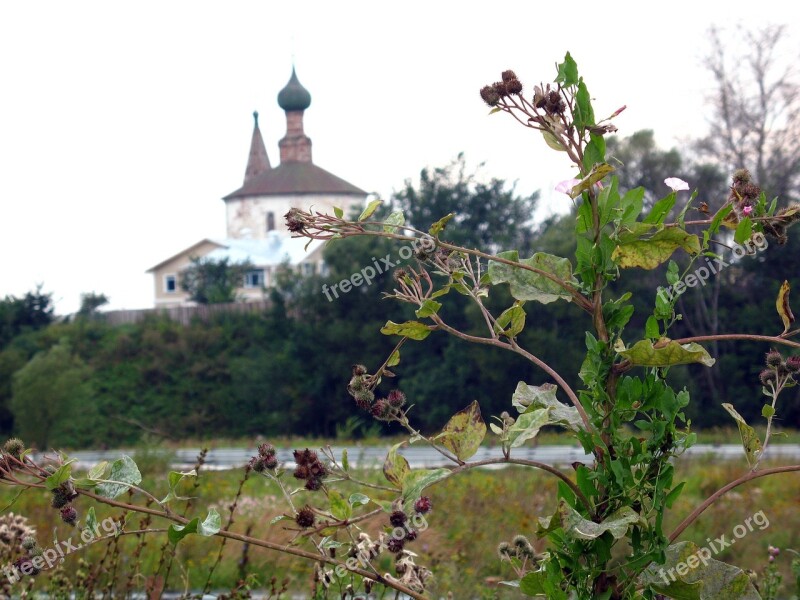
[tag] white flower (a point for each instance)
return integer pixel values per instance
(676, 184)
(565, 187)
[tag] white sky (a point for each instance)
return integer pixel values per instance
(123, 124)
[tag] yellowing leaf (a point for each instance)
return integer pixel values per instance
(750, 441)
(648, 253)
(371, 208)
(464, 432)
(666, 353)
(527, 285)
(439, 226)
(395, 467)
(413, 330)
(782, 304)
(597, 173)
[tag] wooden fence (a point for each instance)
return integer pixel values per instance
(182, 314)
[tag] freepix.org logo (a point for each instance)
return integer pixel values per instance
(378, 267)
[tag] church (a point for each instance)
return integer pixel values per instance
(256, 231)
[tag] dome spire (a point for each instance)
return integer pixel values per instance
(257, 161)
(294, 99)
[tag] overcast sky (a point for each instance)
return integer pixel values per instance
(122, 125)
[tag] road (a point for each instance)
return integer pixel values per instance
(423, 457)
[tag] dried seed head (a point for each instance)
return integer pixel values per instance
(398, 518)
(767, 376)
(396, 399)
(423, 505)
(381, 410)
(359, 370)
(411, 535)
(793, 364)
(774, 359)
(741, 176)
(271, 462)
(504, 550)
(364, 399)
(266, 450)
(69, 515)
(313, 484)
(305, 457)
(514, 86)
(508, 75)
(15, 447)
(305, 517)
(490, 96)
(395, 546)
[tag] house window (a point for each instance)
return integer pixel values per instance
(270, 221)
(308, 269)
(254, 278)
(170, 284)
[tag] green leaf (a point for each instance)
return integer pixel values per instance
(690, 573)
(358, 499)
(576, 527)
(340, 509)
(532, 584)
(660, 210)
(124, 473)
(584, 114)
(750, 441)
(648, 253)
(464, 432)
(717, 220)
(527, 285)
(174, 478)
(338, 212)
(674, 494)
(743, 231)
(631, 205)
(429, 307)
(415, 482)
(97, 471)
(552, 141)
(208, 527)
(371, 208)
(345, 461)
(439, 226)
(568, 72)
(62, 474)
(767, 411)
(394, 359)
(511, 321)
(527, 398)
(782, 305)
(394, 220)
(651, 328)
(395, 467)
(413, 330)
(90, 523)
(527, 426)
(666, 353)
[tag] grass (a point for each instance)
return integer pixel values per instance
(472, 514)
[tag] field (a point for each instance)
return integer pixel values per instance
(472, 514)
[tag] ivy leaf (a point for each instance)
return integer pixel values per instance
(527, 426)
(340, 508)
(782, 304)
(124, 473)
(370, 209)
(527, 285)
(394, 220)
(527, 398)
(690, 573)
(439, 226)
(415, 482)
(750, 441)
(511, 321)
(648, 253)
(395, 467)
(464, 432)
(413, 330)
(666, 353)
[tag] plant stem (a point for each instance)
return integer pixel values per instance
(749, 476)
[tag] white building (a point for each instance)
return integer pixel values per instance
(256, 230)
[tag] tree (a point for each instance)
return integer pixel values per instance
(211, 281)
(51, 398)
(90, 303)
(755, 122)
(487, 214)
(33, 311)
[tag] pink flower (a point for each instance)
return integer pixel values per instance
(676, 184)
(565, 187)
(747, 210)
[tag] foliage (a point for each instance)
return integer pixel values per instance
(213, 281)
(604, 532)
(17, 315)
(90, 302)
